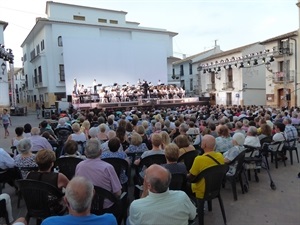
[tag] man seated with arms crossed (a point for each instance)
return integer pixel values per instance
(78, 197)
(158, 205)
(202, 162)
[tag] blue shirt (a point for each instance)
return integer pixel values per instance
(107, 219)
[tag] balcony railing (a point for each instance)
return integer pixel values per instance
(211, 87)
(228, 85)
(279, 51)
(281, 77)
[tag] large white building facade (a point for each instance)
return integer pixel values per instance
(84, 43)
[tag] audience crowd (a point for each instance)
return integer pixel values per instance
(218, 133)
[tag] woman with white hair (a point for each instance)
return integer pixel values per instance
(25, 158)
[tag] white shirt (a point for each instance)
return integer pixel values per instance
(162, 209)
(6, 161)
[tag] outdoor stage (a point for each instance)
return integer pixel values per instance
(91, 103)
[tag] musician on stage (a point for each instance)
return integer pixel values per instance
(75, 86)
(146, 87)
(95, 86)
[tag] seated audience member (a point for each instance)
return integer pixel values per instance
(25, 158)
(102, 136)
(93, 133)
(251, 138)
(172, 155)
(278, 136)
(100, 173)
(165, 139)
(266, 131)
(62, 124)
(238, 140)
(104, 146)
(77, 136)
(142, 132)
(136, 144)
(8, 206)
(85, 127)
(38, 142)
(245, 125)
(212, 127)
(158, 200)
(121, 134)
(156, 141)
(50, 138)
(192, 129)
(114, 145)
(19, 136)
(239, 128)
(45, 127)
(202, 162)
(183, 143)
(7, 164)
(45, 159)
(78, 198)
(27, 130)
(71, 150)
(224, 140)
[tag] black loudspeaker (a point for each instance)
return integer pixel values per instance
(69, 98)
(288, 97)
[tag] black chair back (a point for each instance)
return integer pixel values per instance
(119, 207)
(118, 164)
(213, 180)
(36, 195)
(153, 159)
(67, 165)
(178, 181)
(188, 158)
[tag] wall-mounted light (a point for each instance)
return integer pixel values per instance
(218, 76)
(255, 62)
(219, 69)
(263, 60)
(271, 58)
(242, 65)
(3, 67)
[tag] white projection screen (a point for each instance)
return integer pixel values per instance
(112, 61)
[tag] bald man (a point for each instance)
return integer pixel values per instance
(158, 205)
(78, 197)
(202, 162)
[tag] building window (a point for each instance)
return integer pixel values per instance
(32, 54)
(59, 41)
(181, 70)
(40, 74)
(191, 84)
(35, 77)
(113, 21)
(82, 18)
(61, 72)
(38, 49)
(42, 45)
(191, 68)
(25, 58)
(26, 80)
(102, 20)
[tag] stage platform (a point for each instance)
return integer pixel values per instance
(152, 103)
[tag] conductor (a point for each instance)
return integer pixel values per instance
(146, 87)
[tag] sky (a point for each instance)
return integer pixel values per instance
(199, 23)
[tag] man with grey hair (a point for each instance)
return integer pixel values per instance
(159, 205)
(100, 173)
(78, 197)
(38, 142)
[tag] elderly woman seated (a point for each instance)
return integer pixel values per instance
(25, 158)
(172, 155)
(71, 150)
(45, 159)
(183, 143)
(224, 141)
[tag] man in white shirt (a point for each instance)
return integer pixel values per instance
(158, 205)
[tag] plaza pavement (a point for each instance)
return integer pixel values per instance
(260, 206)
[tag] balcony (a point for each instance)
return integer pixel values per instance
(281, 77)
(280, 50)
(211, 87)
(228, 86)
